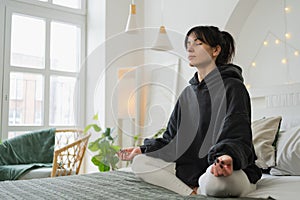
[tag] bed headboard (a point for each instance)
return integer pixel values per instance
(283, 100)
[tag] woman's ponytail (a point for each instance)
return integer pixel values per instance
(228, 49)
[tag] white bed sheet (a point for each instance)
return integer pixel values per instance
(278, 187)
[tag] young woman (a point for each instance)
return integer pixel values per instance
(208, 141)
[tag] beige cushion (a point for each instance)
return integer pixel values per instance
(288, 153)
(264, 133)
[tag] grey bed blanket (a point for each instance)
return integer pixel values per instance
(101, 185)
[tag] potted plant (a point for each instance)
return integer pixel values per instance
(105, 158)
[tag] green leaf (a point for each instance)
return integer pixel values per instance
(103, 146)
(116, 148)
(107, 132)
(95, 127)
(96, 160)
(94, 146)
(136, 137)
(103, 168)
(95, 117)
(87, 128)
(104, 143)
(115, 160)
(110, 138)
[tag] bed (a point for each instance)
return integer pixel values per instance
(276, 129)
(125, 185)
(105, 185)
(279, 106)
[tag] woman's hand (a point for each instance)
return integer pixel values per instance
(223, 166)
(129, 153)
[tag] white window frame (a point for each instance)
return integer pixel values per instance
(47, 12)
(50, 5)
(2, 23)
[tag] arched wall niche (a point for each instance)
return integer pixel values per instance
(239, 16)
(268, 57)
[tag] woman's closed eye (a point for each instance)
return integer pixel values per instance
(194, 43)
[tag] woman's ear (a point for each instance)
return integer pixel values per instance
(216, 50)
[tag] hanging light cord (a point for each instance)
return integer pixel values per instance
(162, 12)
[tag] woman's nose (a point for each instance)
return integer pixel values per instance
(190, 48)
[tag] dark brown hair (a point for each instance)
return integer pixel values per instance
(212, 36)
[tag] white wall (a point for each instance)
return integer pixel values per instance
(180, 15)
(107, 43)
(106, 22)
(95, 37)
(267, 21)
(110, 49)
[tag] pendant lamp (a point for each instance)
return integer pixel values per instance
(162, 42)
(131, 21)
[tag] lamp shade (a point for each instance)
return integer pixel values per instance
(162, 42)
(131, 22)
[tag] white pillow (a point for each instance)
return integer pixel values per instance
(264, 132)
(288, 153)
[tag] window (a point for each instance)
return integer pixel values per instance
(44, 47)
(27, 41)
(68, 3)
(62, 99)
(64, 57)
(22, 98)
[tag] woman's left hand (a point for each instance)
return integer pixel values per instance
(223, 166)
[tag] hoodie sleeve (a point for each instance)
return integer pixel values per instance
(236, 136)
(151, 145)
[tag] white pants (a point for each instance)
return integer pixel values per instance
(161, 173)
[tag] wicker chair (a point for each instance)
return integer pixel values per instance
(70, 146)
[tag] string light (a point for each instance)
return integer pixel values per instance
(277, 41)
(287, 9)
(284, 61)
(283, 42)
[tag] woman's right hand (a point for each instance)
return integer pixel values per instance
(129, 153)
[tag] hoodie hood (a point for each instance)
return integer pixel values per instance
(226, 71)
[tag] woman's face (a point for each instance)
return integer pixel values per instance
(199, 53)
